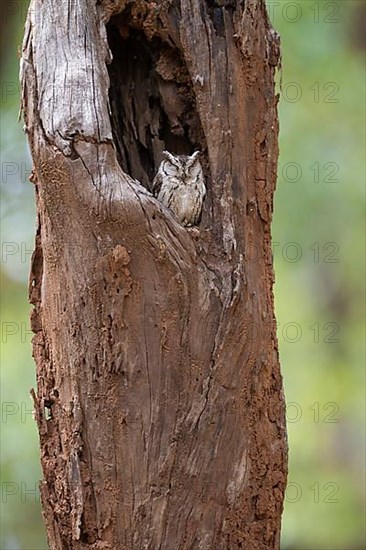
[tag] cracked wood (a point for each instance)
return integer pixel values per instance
(155, 346)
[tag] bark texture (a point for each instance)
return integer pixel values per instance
(159, 395)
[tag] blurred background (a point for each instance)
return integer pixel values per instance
(319, 251)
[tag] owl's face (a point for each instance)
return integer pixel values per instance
(186, 169)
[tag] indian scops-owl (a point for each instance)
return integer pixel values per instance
(179, 184)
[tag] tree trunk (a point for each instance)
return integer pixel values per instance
(159, 396)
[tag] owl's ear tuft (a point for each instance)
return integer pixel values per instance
(168, 156)
(194, 157)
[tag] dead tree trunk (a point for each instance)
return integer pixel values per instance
(159, 395)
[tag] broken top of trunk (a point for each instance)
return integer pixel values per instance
(182, 76)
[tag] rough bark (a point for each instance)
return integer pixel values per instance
(159, 395)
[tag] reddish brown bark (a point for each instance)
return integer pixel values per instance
(159, 395)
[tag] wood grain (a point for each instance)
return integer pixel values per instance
(155, 346)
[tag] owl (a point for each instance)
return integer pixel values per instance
(180, 185)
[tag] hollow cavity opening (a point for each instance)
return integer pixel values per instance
(152, 101)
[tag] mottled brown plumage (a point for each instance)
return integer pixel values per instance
(179, 184)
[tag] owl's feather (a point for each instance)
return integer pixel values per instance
(179, 184)
(156, 186)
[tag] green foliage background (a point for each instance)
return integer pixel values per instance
(319, 252)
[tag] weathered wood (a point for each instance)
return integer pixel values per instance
(155, 346)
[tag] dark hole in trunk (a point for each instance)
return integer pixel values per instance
(152, 101)
(215, 10)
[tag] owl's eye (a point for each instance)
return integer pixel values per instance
(170, 169)
(194, 170)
